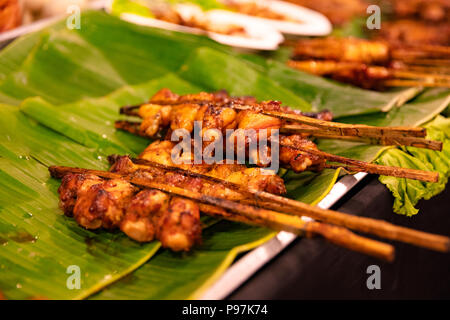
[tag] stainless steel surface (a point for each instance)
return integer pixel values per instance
(246, 266)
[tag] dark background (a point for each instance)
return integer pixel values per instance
(315, 269)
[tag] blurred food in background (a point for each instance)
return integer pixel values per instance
(414, 32)
(190, 15)
(14, 13)
(429, 10)
(338, 11)
(256, 8)
(37, 9)
(10, 15)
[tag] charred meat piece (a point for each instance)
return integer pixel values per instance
(179, 227)
(299, 161)
(71, 186)
(104, 204)
(143, 214)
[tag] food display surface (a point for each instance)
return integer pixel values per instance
(85, 163)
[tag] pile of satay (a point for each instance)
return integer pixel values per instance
(154, 197)
(374, 64)
(409, 48)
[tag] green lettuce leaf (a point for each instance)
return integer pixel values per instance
(406, 192)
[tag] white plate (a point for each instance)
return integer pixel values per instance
(311, 23)
(261, 36)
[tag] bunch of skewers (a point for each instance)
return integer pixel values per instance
(374, 64)
(150, 197)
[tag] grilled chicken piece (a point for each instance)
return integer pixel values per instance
(179, 227)
(104, 204)
(154, 116)
(159, 151)
(71, 186)
(257, 121)
(299, 161)
(216, 117)
(143, 214)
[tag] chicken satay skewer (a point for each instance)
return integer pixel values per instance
(275, 220)
(133, 127)
(358, 130)
(364, 51)
(368, 76)
(386, 141)
(367, 225)
(342, 129)
(354, 165)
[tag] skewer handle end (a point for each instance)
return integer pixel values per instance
(347, 239)
(55, 172)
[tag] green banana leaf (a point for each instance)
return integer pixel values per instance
(68, 103)
(241, 79)
(38, 243)
(145, 53)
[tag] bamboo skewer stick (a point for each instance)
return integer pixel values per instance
(336, 128)
(131, 127)
(356, 165)
(343, 129)
(276, 220)
(386, 141)
(367, 225)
